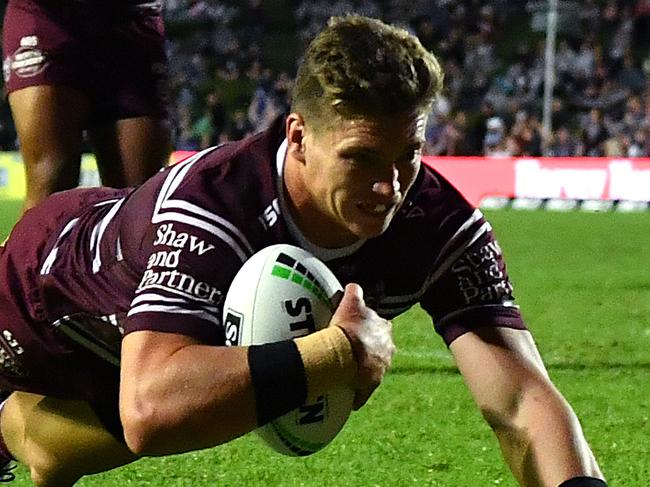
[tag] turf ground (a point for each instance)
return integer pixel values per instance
(583, 282)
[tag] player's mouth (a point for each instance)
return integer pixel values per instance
(376, 209)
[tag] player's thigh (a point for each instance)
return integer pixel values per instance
(131, 150)
(49, 120)
(59, 439)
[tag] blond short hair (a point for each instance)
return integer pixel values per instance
(359, 66)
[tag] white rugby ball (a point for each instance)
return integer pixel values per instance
(284, 292)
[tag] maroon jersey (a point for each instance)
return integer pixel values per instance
(90, 265)
(113, 51)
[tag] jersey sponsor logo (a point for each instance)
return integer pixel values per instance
(179, 282)
(27, 62)
(170, 209)
(479, 276)
(164, 258)
(270, 215)
(166, 235)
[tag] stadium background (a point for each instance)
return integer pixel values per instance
(232, 65)
(581, 278)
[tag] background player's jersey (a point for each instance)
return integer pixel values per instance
(162, 257)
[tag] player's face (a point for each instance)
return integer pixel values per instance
(357, 174)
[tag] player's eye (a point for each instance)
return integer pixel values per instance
(412, 156)
(358, 161)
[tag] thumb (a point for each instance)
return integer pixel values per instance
(352, 297)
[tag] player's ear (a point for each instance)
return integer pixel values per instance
(295, 133)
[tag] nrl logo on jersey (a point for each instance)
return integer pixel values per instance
(166, 235)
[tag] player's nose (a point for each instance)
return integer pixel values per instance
(388, 186)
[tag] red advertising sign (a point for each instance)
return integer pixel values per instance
(580, 178)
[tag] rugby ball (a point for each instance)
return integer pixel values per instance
(284, 292)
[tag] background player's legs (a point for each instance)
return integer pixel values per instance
(130, 151)
(49, 122)
(59, 440)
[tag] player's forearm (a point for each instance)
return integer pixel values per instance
(202, 397)
(543, 442)
(198, 396)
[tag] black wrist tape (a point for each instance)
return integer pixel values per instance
(583, 482)
(278, 377)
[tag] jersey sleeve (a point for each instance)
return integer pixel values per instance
(193, 254)
(470, 287)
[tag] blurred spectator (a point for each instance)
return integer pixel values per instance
(640, 143)
(526, 135)
(616, 145)
(642, 23)
(563, 145)
(477, 129)
(269, 101)
(445, 133)
(238, 126)
(631, 76)
(561, 114)
(584, 66)
(594, 133)
(217, 114)
(184, 137)
(494, 136)
(203, 131)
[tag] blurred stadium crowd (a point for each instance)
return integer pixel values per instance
(232, 64)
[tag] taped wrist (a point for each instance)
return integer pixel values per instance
(278, 378)
(328, 360)
(583, 482)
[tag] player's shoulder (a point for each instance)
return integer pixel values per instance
(242, 171)
(434, 218)
(218, 195)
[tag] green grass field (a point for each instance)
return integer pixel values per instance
(583, 283)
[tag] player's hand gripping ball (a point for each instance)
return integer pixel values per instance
(284, 292)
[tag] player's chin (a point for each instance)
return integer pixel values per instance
(370, 226)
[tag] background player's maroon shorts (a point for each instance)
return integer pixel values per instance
(113, 52)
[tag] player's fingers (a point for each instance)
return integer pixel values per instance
(372, 374)
(351, 308)
(353, 296)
